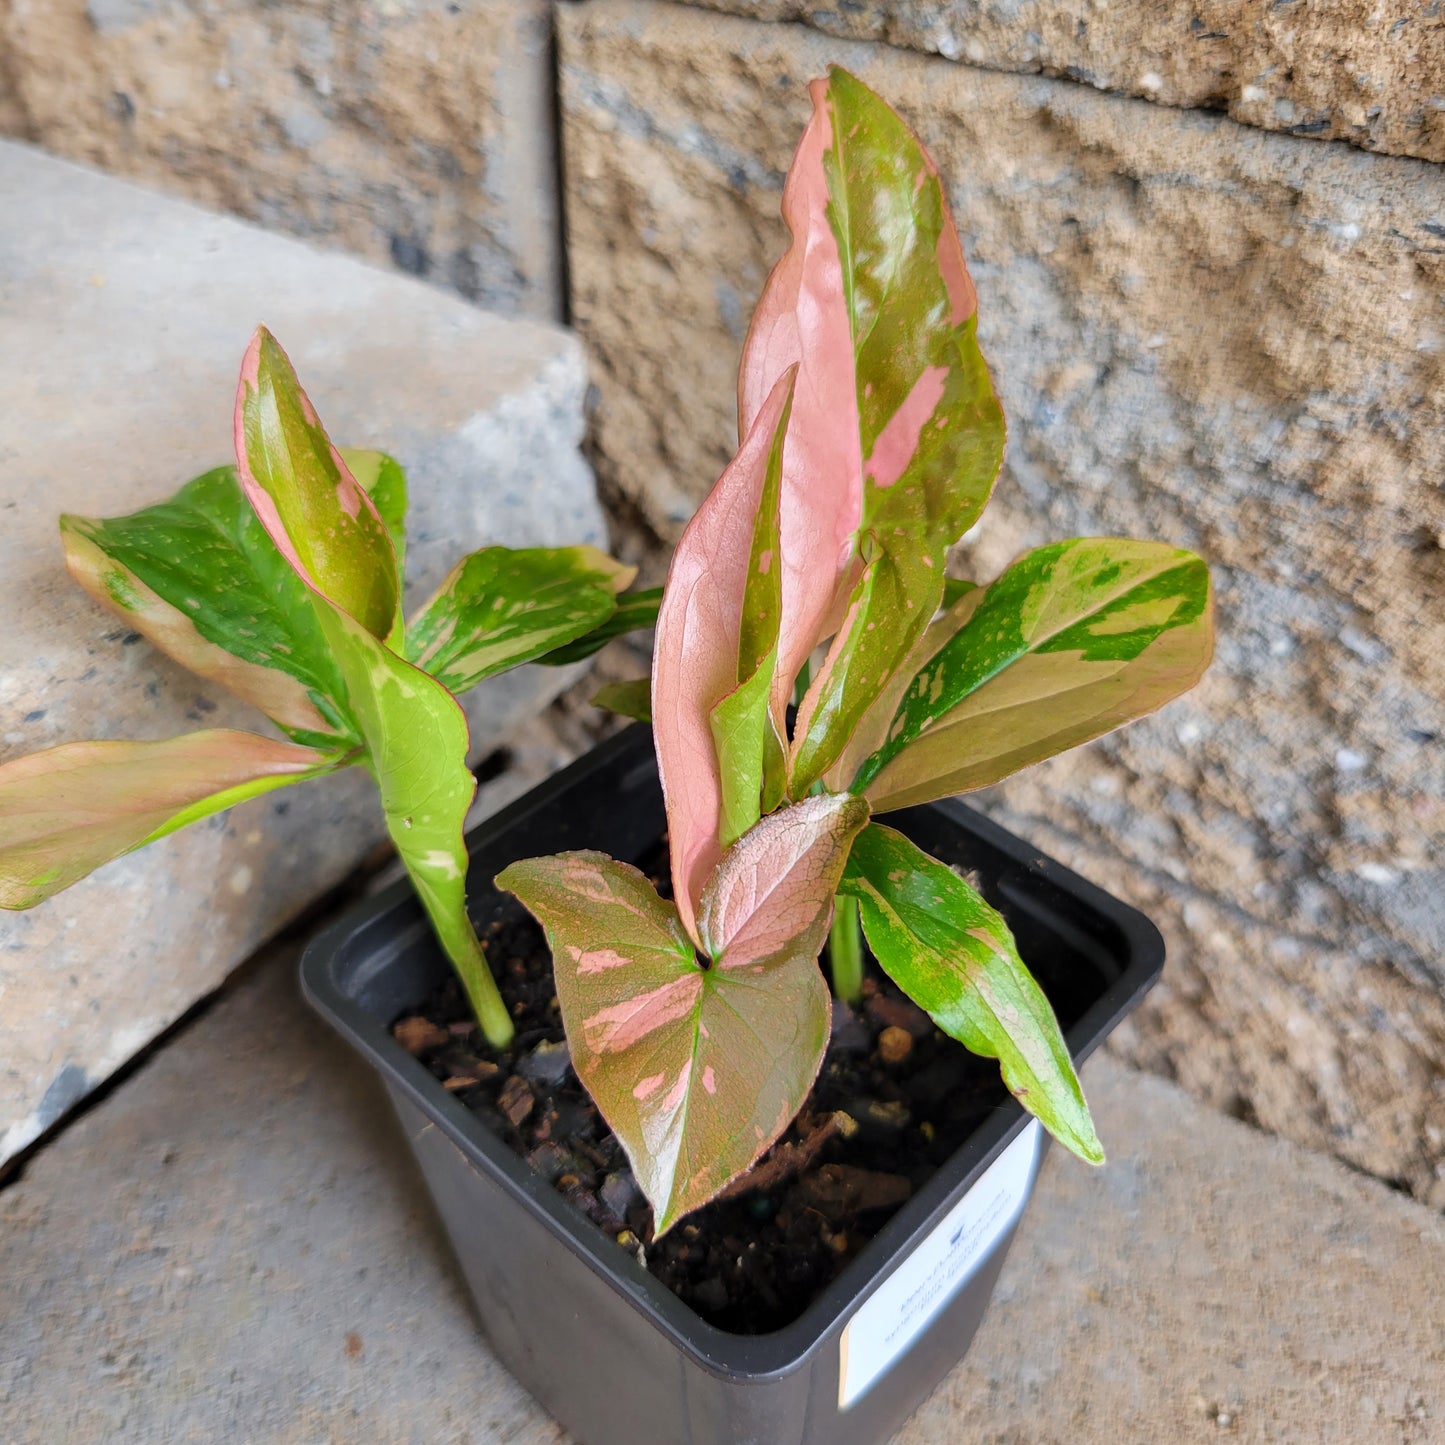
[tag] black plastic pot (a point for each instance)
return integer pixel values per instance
(609, 1351)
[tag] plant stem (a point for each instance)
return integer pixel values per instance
(476, 976)
(800, 687)
(845, 950)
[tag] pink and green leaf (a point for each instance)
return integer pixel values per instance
(199, 577)
(698, 649)
(697, 1071)
(1073, 640)
(316, 512)
(953, 954)
(502, 606)
(69, 809)
(896, 431)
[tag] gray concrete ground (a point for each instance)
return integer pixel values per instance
(232, 1247)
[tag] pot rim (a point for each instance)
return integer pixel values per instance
(718, 1351)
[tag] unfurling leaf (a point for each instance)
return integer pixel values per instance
(635, 612)
(500, 607)
(896, 432)
(632, 698)
(696, 1070)
(67, 810)
(953, 954)
(314, 509)
(199, 577)
(414, 731)
(698, 646)
(1073, 640)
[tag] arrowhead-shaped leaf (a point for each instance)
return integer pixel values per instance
(635, 612)
(953, 954)
(67, 810)
(201, 579)
(697, 1070)
(314, 509)
(896, 433)
(1073, 640)
(500, 607)
(698, 649)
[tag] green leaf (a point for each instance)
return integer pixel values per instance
(67, 810)
(1071, 641)
(417, 741)
(632, 698)
(500, 607)
(942, 944)
(317, 514)
(696, 1070)
(384, 481)
(741, 725)
(199, 577)
(635, 612)
(930, 430)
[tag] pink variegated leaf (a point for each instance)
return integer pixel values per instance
(696, 654)
(896, 435)
(697, 1070)
(315, 511)
(773, 891)
(67, 810)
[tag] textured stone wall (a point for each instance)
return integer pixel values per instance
(1355, 70)
(418, 132)
(1202, 333)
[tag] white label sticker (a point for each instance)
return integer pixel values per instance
(902, 1307)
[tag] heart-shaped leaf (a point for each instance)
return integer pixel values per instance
(1073, 640)
(896, 433)
(698, 649)
(67, 810)
(314, 509)
(502, 606)
(953, 954)
(697, 1070)
(200, 578)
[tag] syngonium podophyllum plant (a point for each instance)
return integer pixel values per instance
(870, 439)
(281, 579)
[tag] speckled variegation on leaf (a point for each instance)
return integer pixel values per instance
(870, 437)
(280, 578)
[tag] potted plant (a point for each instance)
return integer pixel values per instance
(281, 579)
(729, 1208)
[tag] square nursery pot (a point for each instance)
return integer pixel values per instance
(608, 1350)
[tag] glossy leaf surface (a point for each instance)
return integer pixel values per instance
(200, 578)
(1073, 640)
(896, 430)
(500, 607)
(697, 650)
(953, 954)
(635, 612)
(697, 1071)
(314, 509)
(67, 810)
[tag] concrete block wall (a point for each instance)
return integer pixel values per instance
(1209, 241)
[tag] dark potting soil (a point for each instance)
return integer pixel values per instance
(893, 1100)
